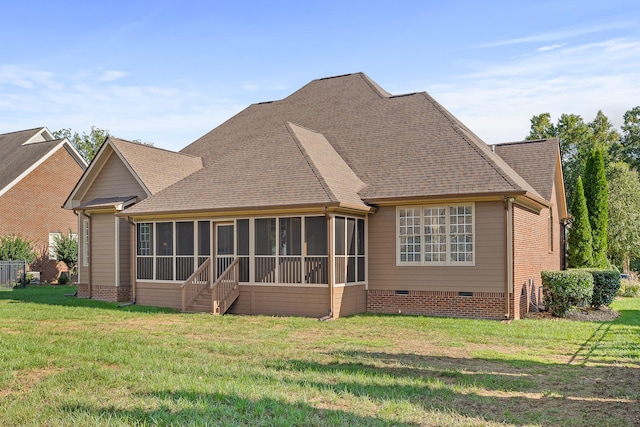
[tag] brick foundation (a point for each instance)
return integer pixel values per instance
(104, 293)
(480, 305)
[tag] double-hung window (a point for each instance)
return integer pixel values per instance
(436, 235)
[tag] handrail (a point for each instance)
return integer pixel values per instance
(224, 285)
(192, 291)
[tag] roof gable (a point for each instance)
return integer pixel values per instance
(530, 159)
(151, 168)
(23, 151)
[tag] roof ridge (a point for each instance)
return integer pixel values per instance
(527, 141)
(152, 147)
(307, 157)
(24, 130)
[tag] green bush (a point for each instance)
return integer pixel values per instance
(629, 289)
(18, 248)
(565, 289)
(605, 286)
(63, 279)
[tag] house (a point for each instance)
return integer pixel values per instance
(338, 199)
(37, 171)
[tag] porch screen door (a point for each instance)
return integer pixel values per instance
(225, 247)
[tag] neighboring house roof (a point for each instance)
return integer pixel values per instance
(390, 147)
(529, 158)
(153, 168)
(21, 152)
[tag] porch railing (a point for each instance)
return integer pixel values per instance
(226, 289)
(196, 283)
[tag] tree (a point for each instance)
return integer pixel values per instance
(86, 144)
(577, 140)
(624, 214)
(89, 144)
(597, 196)
(16, 248)
(542, 127)
(67, 250)
(630, 140)
(580, 242)
(603, 136)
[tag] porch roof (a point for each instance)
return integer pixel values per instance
(118, 203)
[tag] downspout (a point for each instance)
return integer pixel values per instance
(134, 264)
(509, 255)
(329, 264)
(90, 253)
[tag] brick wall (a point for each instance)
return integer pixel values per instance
(104, 293)
(32, 208)
(482, 305)
(531, 255)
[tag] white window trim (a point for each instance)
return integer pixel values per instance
(85, 242)
(448, 262)
(52, 245)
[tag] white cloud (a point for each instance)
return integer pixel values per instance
(111, 75)
(548, 48)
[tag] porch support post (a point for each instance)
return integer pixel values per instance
(331, 260)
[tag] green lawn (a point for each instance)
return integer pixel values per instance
(71, 362)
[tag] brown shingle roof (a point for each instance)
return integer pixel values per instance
(534, 161)
(156, 168)
(16, 156)
(397, 146)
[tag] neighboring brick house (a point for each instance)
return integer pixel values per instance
(37, 171)
(338, 199)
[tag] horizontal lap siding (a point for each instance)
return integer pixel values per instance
(114, 180)
(349, 300)
(159, 294)
(125, 252)
(488, 274)
(282, 300)
(103, 250)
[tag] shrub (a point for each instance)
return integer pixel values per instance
(565, 289)
(63, 279)
(605, 287)
(629, 289)
(16, 248)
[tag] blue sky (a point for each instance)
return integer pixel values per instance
(167, 71)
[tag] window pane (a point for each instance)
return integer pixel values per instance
(351, 236)
(144, 237)
(184, 238)
(434, 222)
(351, 269)
(290, 236)
(204, 238)
(164, 238)
(225, 240)
(461, 233)
(409, 234)
(265, 230)
(360, 269)
(316, 235)
(360, 233)
(243, 237)
(339, 235)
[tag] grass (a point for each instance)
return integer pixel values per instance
(73, 362)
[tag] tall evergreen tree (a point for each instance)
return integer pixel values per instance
(596, 193)
(580, 241)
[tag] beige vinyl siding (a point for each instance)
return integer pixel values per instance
(348, 300)
(282, 300)
(103, 250)
(159, 294)
(488, 274)
(125, 252)
(114, 180)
